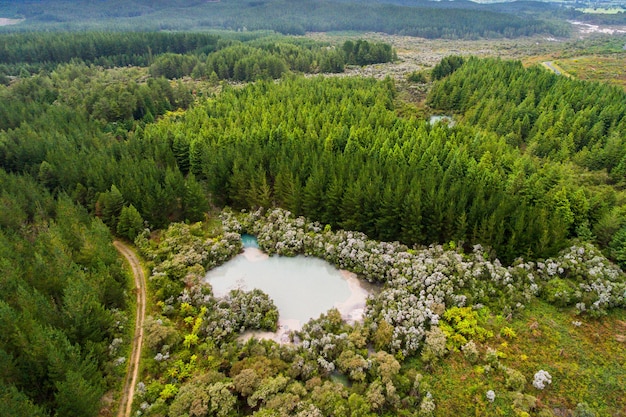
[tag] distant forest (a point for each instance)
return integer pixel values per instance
(427, 19)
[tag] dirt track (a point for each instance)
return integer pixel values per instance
(130, 381)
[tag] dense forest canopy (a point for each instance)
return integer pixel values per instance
(61, 304)
(426, 19)
(233, 57)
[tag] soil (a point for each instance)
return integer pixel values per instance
(130, 382)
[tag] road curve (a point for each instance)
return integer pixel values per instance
(130, 382)
(551, 67)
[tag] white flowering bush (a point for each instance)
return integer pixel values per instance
(541, 378)
(324, 339)
(583, 277)
(427, 406)
(415, 281)
(182, 246)
(470, 351)
(491, 396)
(237, 312)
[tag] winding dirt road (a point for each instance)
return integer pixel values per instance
(130, 381)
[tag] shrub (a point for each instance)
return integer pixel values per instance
(491, 396)
(470, 351)
(515, 380)
(461, 325)
(583, 410)
(508, 332)
(541, 379)
(435, 344)
(417, 77)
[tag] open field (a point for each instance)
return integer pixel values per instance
(586, 358)
(600, 10)
(604, 68)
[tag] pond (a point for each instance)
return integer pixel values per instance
(301, 287)
(448, 120)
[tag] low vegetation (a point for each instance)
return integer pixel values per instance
(504, 353)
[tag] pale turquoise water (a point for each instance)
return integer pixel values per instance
(301, 287)
(249, 241)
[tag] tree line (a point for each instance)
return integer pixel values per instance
(108, 49)
(174, 55)
(422, 18)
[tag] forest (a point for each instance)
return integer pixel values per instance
(420, 18)
(180, 142)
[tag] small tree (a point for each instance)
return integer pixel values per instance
(130, 223)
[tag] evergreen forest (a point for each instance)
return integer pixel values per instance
(422, 18)
(495, 236)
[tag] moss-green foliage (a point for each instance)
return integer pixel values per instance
(422, 186)
(462, 324)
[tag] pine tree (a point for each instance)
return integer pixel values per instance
(130, 223)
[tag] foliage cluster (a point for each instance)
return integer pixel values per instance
(552, 117)
(418, 283)
(68, 129)
(271, 59)
(108, 49)
(174, 55)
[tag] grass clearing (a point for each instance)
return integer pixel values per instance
(587, 362)
(602, 68)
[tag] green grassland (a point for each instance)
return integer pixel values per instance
(603, 68)
(587, 362)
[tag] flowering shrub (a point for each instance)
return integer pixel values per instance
(491, 396)
(434, 344)
(182, 246)
(239, 311)
(416, 281)
(583, 277)
(514, 380)
(470, 351)
(324, 339)
(427, 406)
(541, 379)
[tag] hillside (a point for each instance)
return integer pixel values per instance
(423, 18)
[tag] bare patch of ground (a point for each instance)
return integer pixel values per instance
(6, 22)
(416, 54)
(130, 381)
